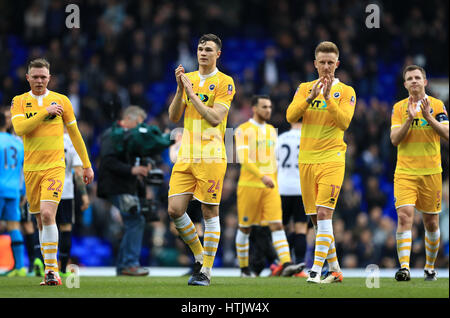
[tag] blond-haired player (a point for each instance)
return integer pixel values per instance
(418, 124)
(326, 106)
(204, 96)
(39, 117)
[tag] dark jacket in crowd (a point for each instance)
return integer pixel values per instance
(114, 175)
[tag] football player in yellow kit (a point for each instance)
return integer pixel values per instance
(258, 199)
(326, 106)
(39, 116)
(418, 124)
(204, 96)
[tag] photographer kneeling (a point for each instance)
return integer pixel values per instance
(118, 182)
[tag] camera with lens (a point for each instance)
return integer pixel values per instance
(141, 145)
(149, 209)
(155, 176)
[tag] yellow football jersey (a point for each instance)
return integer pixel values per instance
(255, 147)
(200, 139)
(44, 146)
(419, 153)
(322, 140)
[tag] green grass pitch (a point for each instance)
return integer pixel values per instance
(221, 287)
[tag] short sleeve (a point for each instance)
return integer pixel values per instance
(225, 92)
(396, 117)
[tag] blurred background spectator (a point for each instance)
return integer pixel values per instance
(125, 53)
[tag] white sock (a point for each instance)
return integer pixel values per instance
(404, 244)
(332, 258)
(189, 235)
(432, 240)
(281, 246)
(49, 246)
(324, 238)
(242, 248)
(210, 243)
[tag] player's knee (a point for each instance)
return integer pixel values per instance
(47, 217)
(65, 227)
(432, 226)
(431, 222)
(210, 211)
(12, 225)
(404, 219)
(174, 212)
(276, 226)
(324, 213)
(245, 230)
(301, 227)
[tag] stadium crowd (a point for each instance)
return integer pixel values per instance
(125, 54)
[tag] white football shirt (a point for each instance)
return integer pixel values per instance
(287, 159)
(72, 160)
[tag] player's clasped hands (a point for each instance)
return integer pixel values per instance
(412, 111)
(324, 82)
(315, 90)
(187, 85)
(425, 107)
(327, 83)
(178, 71)
(55, 110)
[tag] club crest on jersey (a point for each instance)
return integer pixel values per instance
(337, 95)
(211, 87)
